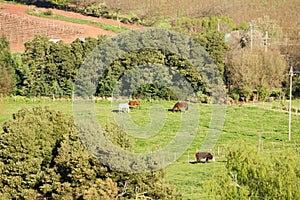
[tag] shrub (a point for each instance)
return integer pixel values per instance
(251, 174)
(41, 156)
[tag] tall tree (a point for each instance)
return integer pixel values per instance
(7, 66)
(49, 68)
(255, 69)
(214, 43)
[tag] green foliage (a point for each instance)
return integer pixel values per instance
(7, 67)
(60, 3)
(117, 136)
(275, 32)
(154, 91)
(48, 12)
(97, 10)
(214, 22)
(157, 58)
(50, 69)
(258, 175)
(104, 26)
(214, 44)
(194, 26)
(243, 123)
(42, 156)
(205, 31)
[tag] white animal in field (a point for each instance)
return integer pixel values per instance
(123, 106)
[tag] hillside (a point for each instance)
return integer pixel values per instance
(285, 12)
(20, 27)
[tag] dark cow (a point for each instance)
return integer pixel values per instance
(204, 155)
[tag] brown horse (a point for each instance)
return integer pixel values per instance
(204, 155)
(133, 103)
(180, 105)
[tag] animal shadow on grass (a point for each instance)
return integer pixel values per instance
(117, 111)
(195, 162)
(171, 110)
(201, 162)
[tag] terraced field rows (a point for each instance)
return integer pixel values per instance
(21, 29)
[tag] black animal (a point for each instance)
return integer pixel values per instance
(204, 155)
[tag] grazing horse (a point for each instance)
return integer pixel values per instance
(204, 155)
(134, 103)
(180, 105)
(123, 106)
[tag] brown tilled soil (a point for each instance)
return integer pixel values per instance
(20, 27)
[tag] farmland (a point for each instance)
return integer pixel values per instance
(21, 23)
(252, 44)
(254, 125)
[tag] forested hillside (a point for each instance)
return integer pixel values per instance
(228, 31)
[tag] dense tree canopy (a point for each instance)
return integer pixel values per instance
(158, 73)
(50, 69)
(250, 70)
(41, 155)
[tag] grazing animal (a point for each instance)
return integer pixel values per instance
(204, 155)
(134, 103)
(179, 106)
(123, 106)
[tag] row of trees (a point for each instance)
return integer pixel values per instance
(50, 69)
(245, 62)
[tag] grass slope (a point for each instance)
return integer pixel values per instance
(255, 125)
(49, 15)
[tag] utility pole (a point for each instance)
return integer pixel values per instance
(290, 107)
(251, 34)
(266, 41)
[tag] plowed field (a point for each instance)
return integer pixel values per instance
(20, 27)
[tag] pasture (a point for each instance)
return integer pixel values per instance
(258, 125)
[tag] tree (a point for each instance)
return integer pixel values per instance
(205, 31)
(60, 3)
(257, 175)
(214, 43)
(41, 156)
(7, 67)
(159, 72)
(49, 69)
(250, 70)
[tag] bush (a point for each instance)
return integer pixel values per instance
(251, 174)
(41, 156)
(48, 13)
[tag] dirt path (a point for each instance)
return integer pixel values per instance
(20, 27)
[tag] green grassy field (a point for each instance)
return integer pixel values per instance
(108, 27)
(255, 125)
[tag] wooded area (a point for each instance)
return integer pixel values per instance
(245, 57)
